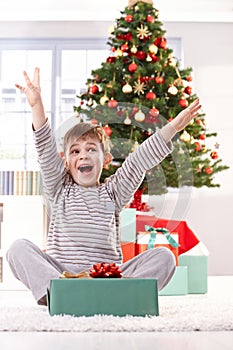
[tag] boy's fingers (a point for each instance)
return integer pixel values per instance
(20, 87)
(28, 81)
(36, 77)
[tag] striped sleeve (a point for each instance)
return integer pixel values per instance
(130, 175)
(51, 164)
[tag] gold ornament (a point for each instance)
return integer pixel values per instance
(118, 52)
(142, 32)
(104, 99)
(178, 82)
(131, 3)
(153, 49)
(185, 136)
(148, 59)
(127, 120)
(127, 88)
(134, 49)
(139, 88)
(172, 90)
(172, 62)
(139, 116)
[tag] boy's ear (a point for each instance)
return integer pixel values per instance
(107, 160)
(66, 164)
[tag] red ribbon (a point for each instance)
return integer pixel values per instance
(104, 270)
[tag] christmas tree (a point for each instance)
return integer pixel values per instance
(138, 89)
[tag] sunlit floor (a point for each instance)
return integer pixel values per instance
(110, 341)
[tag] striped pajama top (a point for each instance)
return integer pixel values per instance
(85, 222)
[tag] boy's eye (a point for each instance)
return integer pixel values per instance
(74, 151)
(92, 149)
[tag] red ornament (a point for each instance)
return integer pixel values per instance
(124, 47)
(120, 113)
(150, 19)
(134, 111)
(111, 59)
(208, 170)
(132, 67)
(188, 90)
(183, 103)
(104, 270)
(150, 95)
(127, 36)
(214, 155)
(141, 55)
(161, 42)
(144, 79)
(154, 58)
(159, 80)
(198, 146)
(202, 137)
(107, 130)
(94, 89)
(129, 18)
(112, 103)
(154, 112)
(189, 78)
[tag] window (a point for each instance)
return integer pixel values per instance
(65, 66)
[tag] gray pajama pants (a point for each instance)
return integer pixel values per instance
(35, 269)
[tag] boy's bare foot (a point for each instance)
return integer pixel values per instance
(42, 301)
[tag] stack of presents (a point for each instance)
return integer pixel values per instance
(141, 232)
(126, 296)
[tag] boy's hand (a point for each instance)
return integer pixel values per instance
(185, 116)
(33, 95)
(180, 121)
(32, 89)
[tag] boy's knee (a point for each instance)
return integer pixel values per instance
(16, 248)
(166, 255)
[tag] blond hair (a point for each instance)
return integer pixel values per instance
(83, 130)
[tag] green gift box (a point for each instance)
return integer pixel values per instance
(105, 296)
(178, 284)
(197, 272)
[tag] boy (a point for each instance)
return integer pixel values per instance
(85, 215)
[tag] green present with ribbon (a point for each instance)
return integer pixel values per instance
(157, 237)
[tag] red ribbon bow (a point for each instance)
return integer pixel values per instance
(104, 270)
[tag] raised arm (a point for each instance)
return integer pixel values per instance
(32, 91)
(180, 121)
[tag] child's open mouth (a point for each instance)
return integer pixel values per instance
(85, 168)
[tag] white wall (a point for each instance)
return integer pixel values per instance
(208, 50)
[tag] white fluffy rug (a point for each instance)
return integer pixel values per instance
(208, 312)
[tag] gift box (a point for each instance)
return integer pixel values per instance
(128, 225)
(157, 237)
(128, 250)
(178, 284)
(105, 296)
(196, 260)
(197, 272)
